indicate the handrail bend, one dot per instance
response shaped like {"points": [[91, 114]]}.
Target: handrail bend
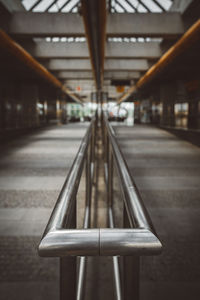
{"points": [[59, 240], [63, 239]]}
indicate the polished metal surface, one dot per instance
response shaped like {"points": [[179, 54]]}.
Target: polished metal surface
{"points": [[140, 239], [128, 242], [138, 215], [86, 224], [62, 212], [68, 273], [116, 263], [62, 239], [81, 278], [64, 242], [105, 242]]}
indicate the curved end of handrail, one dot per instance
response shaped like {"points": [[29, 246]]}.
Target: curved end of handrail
{"points": [[70, 242], [45, 246], [100, 241], [128, 242], [156, 244]]}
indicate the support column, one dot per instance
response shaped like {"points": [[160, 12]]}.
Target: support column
{"points": [[131, 271], [68, 272], [2, 110], [194, 110], [63, 109], [168, 98], [29, 98]]}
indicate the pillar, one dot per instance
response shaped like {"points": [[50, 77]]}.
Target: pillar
{"points": [[29, 98], [168, 98], [194, 109]]}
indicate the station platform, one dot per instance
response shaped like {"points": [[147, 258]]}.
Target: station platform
{"points": [[166, 171], [33, 170]]}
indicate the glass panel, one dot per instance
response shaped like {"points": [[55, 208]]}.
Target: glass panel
{"points": [[28, 3], [166, 4], [71, 4], [152, 6], [42, 6], [181, 114]]}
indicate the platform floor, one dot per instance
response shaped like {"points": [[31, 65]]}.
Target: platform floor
{"points": [[166, 170], [32, 171], [167, 173]]}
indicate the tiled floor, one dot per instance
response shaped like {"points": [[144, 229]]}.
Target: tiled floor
{"points": [[167, 173], [32, 171]]}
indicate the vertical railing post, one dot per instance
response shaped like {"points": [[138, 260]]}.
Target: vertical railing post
{"points": [[93, 143], [107, 149], [131, 271], [104, 140], [88, 187], [68, 272], [86, 222], [110, 175], [116, 262]]}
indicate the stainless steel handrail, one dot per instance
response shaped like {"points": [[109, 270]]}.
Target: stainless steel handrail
{"points": [[53, 240], [59, 241], [62, 239], [136, 210], [135, 217]]}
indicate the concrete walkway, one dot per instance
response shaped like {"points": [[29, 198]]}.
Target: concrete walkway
{"points": [[32, 171], [166, 171]]}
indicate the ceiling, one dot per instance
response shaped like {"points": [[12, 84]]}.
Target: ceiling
{"points": [[137, 33]]}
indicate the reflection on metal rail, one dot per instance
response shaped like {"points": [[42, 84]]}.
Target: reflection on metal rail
{"points": [[62, 239]]}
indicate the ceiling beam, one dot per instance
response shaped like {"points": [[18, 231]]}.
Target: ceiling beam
{"points": [[148, 50], [58, 49], [82, 75], [166, 25], [85, 75], [181, 46], [21, 55], [32, 24], [68, 64], [126, 65], [94, 17], [121, 75], [84, 64]]}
